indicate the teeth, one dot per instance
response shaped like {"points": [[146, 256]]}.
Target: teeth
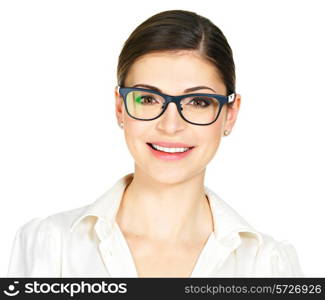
{"points": [[170, 150]]}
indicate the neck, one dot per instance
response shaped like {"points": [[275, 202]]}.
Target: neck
{"points": [[160, 210]]}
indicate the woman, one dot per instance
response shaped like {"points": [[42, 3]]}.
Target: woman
{"points": [[175, 100]]}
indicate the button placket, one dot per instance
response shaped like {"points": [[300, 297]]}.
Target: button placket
{"points": [[106, 242], [117, 258]]}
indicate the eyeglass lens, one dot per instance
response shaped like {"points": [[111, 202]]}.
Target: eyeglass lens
{"points": [[196, 109]]}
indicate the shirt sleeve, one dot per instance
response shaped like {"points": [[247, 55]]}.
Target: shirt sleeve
{"points": [[35, 250], [285, 261]]}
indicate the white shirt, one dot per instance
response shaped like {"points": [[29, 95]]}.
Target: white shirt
{"points": [[87, 242]]}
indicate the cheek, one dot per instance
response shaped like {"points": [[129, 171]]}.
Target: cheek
{"points": [[209, 136], [208, 141], [136, 134]]}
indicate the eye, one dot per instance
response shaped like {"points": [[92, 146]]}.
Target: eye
{"points": [[148, 99], [200, 101], [145, 99]]}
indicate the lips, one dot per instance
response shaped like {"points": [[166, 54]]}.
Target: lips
{"points": [[169, 156], [171, 145]]}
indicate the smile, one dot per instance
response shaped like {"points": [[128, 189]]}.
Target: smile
{"points": [[169, 153], [167, 149]]}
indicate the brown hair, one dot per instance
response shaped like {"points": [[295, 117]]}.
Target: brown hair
{"points": [[174, 30]]}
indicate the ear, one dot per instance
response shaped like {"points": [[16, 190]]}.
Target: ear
{"points": [[119, 106], [232, 113]]}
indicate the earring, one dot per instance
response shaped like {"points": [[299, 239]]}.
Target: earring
{"points": [[226, 132], [121, 125]]}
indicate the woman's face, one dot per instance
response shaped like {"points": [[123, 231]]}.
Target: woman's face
{"points": [[173, 73]]}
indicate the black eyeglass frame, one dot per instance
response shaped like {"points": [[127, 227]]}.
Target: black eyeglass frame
{"points": [[123, 91]]}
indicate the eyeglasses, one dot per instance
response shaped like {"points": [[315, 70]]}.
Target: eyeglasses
{"points": [[198, 109]]}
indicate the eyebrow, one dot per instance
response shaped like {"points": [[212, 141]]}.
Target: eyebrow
{"points": [[201, 87]]}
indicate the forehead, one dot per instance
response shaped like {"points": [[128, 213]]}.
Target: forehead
{"points": [[174, 71]]}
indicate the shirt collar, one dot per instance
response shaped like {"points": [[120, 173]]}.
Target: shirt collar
{"points": [[228, 224]]}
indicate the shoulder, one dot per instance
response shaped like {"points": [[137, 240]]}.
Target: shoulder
{"points": [[261, 255], [37, 246], [278, 257], [255, 252], [57, 223]]}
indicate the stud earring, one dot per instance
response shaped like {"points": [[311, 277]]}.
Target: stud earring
{"points": [[121, 125], [226, 132]]}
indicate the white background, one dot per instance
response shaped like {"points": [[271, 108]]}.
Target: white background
{"points": [[61, 147]]}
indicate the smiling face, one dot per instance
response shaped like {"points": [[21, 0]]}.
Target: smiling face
{"points": [[173, 73]]}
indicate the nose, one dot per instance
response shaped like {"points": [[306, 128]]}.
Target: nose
{"points": [[171, 121]]}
